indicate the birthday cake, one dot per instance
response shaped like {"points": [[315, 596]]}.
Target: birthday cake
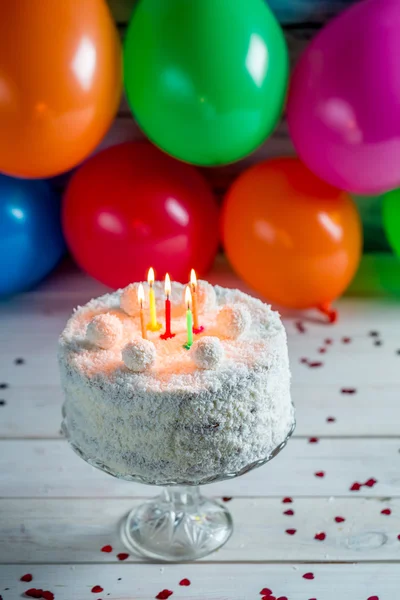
{"points": [[178, 409]]}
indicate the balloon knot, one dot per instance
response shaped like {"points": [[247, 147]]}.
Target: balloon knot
{"points": [[328, 311]]}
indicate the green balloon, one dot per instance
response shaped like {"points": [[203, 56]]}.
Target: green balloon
{"points": [[205, 79], [391, 219]]}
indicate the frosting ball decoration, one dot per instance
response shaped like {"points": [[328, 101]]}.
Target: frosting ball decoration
{"points": [[139, 355], [207, 352], [129, 299], [233, 320], [104, 331]]}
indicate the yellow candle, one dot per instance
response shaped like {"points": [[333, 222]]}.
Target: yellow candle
{"points": [[193, 285], [153, 325], [141, 312]]}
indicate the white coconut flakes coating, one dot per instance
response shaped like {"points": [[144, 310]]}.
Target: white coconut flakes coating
{"points": [[177, 422]]}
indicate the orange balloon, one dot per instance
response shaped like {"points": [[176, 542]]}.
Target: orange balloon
{"points": [[292, 237], [60, 83]]}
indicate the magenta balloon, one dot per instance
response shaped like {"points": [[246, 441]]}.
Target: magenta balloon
{"points": [[344, 101]]}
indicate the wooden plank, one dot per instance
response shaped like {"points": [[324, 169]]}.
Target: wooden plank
{"points": [[75, 530], [35, 411], [213, 581], [49, 468]]}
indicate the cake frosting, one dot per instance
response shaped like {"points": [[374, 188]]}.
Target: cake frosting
{"points": [[154, 411]]}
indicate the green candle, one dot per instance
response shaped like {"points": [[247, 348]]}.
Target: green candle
{"points": [[189, 318]]}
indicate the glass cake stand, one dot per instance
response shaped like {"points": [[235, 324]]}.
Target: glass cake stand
{"points": [[180, 524]]}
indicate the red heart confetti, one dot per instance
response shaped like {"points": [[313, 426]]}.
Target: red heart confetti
{"points": [[185, 582], [320, 474], [328, 341], [348, 390], [97, 589], [356, 487], [34, 593], [289, 512], [107, 548], [27, 577], [346, 340], [339, 519], [373, 598], [313, 440], [290, 531], [315, 364], [227, 498], [371, 482], [46, 595], [266, 592], [122, 556], [287, 500], [164, 595], [300, 327], [304, 361], [386, 511], [308, 576], [322, 350], [320, 536], [268, 598], [330, 419], [282, 598]]}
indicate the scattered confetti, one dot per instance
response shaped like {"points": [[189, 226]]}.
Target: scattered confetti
{"points": [[348, 390], [282, 598], [46, 595], [346, 340], [330, 419], [97, 589], [386, 511], [308, 576], [266, 592], [304, 360], [164, 595], [287, 500], [328, 341], [28, 577], [313, 440], [122, 556], [378, 343], [107, 548], [374, 333], [371, 482], [227, 498], [3, 386], [320, 536], [315, 364], [290, 531], [34, 593], [268, 598], [398, 537], [339, 519], [185, 582], [2, 402], [356, 487], [373, 598], [19, 361], [320, 474], [289, 513], [300, 327], [322, 350]]}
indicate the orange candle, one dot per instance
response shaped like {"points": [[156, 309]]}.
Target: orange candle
{"points": [[141, 312], [167, 334], [193, 285]]}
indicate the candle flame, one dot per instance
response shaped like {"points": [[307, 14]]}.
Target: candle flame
{"points": [[193, 279], [167, 285], [150, 276], [188, 297], [140, 294]]}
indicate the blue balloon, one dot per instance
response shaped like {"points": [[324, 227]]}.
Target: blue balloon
{"points": [[31, 241]]}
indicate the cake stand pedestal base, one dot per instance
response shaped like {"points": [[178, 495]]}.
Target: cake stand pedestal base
{"points": [[179, 525]]}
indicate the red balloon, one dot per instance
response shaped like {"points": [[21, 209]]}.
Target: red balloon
{"points": [[131, 207]]}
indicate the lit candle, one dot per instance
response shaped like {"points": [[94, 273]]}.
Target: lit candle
{"points": [[141, 312], [153, 325], [167, 334], [193, 285], [189, 318]]}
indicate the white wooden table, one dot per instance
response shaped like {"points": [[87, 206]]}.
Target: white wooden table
{"points": [[56, 512]]}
